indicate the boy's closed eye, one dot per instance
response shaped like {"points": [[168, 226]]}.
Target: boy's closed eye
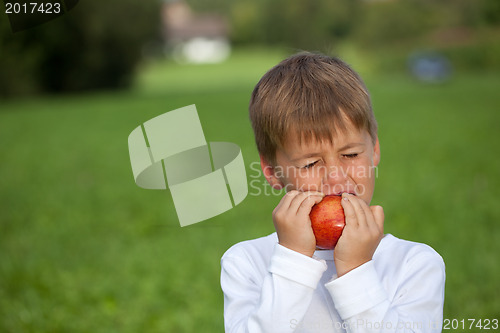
{"points": [[353, 155], [310, 165]]}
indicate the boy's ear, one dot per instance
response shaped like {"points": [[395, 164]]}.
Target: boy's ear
{"points": [[376, 153], [269, 172]]}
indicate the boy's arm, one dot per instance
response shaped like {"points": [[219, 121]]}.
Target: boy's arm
{"points": [[275, 303], [358, 293], [417, 306], [279, 302]]}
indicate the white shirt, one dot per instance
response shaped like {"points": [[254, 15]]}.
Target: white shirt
{"points": [[269, 288]]}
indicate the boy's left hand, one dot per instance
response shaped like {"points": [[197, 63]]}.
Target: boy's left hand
{"points": [[361, 235]]}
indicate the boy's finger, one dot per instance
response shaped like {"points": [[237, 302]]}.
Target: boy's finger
{"points": [[287, 199], [307, 204], [304, 196], [358, 209], [369, 218], [378, 214], [349, 213], [285, 202]]}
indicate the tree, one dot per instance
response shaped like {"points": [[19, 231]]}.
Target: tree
{"points": [[95, 45]]}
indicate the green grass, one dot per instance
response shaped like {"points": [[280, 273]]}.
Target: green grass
{"points": [[83, 249]]}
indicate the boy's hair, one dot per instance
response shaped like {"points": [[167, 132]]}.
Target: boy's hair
{"points": [[312, 95]]}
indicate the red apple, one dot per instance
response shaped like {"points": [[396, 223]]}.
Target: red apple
{"points": [[327, 221]]}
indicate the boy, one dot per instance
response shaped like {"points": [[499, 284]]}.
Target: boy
{"points": [[316, 135]]}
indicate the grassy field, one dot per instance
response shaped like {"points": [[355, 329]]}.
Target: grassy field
{"points": [[83, 249]]}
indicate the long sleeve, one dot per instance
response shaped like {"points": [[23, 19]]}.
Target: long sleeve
{"points": [[268, 299], [269, 288], [413, 303]]}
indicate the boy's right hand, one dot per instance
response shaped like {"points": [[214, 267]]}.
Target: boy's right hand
{"points": [[292, 222]]}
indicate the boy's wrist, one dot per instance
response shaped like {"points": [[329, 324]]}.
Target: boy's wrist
{"points": [[303, 251], [297, 267], [360, 288], [345, 267]]}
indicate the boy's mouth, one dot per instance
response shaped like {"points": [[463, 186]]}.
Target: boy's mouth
{"points": [[342, 192]]}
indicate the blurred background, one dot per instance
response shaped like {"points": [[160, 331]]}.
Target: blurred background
{"points": [[83, 249]]}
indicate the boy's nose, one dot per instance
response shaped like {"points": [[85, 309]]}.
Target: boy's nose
{"points": [[335, 180]]}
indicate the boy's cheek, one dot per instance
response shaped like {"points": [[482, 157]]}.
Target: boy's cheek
{"points": [[310, 187], [301, 184], [364, 171]]}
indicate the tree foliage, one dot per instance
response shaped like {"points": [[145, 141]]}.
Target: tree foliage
{"points": [[321, 24], [98, 43], [95, 45]]}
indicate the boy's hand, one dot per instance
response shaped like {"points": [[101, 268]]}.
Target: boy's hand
{"points": [[292, 222], [362, 233]]}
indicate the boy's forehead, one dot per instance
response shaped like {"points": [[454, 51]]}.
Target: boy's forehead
{"points": [[336, 136]]}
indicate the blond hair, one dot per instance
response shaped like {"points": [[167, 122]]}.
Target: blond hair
{"points": [[312, 95]]}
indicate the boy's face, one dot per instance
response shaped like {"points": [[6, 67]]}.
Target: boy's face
{"points": [[347, 165]]}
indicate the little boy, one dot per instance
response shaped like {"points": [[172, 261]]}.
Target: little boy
{"points": [[316, 135]]}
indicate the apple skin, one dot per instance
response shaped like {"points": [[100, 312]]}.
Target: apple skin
{"points": [[327, 221]]}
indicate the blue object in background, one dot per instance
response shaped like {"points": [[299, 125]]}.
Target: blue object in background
{"points": [[430, 67]]}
